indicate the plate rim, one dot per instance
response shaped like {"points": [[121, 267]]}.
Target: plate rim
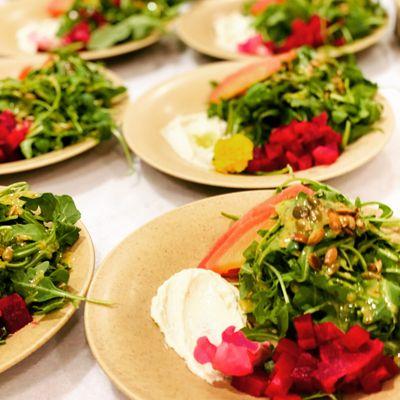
{"points": [[103, 266], [214, 51], [258, 181], [68, 311]]}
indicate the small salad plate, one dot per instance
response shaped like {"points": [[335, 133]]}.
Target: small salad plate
{"points": [[197, 28], [125, 340], [80, 257], [19, 13], [12, 68], [189, 94]]}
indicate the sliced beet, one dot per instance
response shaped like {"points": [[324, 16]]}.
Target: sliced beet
{"points": [[14, 312], [281, 379], [254, 384], [303, 379], [355, 338], [286, 346], [326, 332], [305, 332]]}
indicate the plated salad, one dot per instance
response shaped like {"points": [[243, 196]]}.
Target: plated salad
{"points": [[37, 232], [95, 24], [266, 27], [65, 101], [299, 299], [297, 110]]}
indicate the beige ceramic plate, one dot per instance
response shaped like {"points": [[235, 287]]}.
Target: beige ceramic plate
{"points": [[124, 339], [33, 336], [196, 29], [188, 94], [17, 13], [12, 67]]}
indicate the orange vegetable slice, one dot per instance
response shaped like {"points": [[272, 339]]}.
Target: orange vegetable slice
{"points": [[237, 83], [261, 5], [226, 257], [57, 8]]}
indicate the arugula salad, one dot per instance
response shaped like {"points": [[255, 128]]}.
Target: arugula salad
{"points": [[309, 300], [65, 101], [96, 24], [276, 26], [299, 109], [36, 232]]}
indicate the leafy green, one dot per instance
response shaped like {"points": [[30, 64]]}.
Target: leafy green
{"points": [[348, 19], [35, 232], [350, 275], [67, 100], [127, 21], [300, 91]]}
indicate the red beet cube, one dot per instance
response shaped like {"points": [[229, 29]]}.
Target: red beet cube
{"points": [[281, 379], [305, 332], [254, 384], [287, 397], [286, 346], [326, 332], [355, 338], [14, 312]]}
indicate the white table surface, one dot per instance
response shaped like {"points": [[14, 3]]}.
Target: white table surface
{"points": [[113, 204]]}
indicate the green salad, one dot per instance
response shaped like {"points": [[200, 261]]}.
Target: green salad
{"points": [[328, 256], [65, 101]]}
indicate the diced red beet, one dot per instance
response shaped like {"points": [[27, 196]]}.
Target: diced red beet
{"points": [[373, 381], [235, 356], [326, 332], [273, 151], [255, 46], [286, 346], [324, 155], [232, 360], [339, 362], [281, 379], [254, 384], [305, 332], [355, 338], [14, 312], [303, 379]]}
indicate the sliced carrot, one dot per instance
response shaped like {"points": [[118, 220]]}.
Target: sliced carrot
{"points": [[238, 82], [57, 8], [25, 72], [226, 256], [261, 5]]}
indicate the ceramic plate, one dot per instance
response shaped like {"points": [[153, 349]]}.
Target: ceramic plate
{"points": [[15, 14], [12, 67], [188, 94], [33, 336], [196, 29], [124, 339]]}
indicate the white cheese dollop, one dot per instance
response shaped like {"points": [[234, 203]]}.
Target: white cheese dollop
{"points": [[233, 29], [194, 303], [193, 137], [38, 34]]}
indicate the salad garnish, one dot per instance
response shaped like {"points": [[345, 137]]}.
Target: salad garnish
{"points": [[36, 233], [282, 25], [318, 280], [65, 101], [301, 111], [99, 24]]}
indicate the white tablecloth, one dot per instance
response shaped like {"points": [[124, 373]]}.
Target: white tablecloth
{"points": [[113, 204]]}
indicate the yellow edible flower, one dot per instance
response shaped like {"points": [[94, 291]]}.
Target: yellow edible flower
{"points": [[232, 155]]}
